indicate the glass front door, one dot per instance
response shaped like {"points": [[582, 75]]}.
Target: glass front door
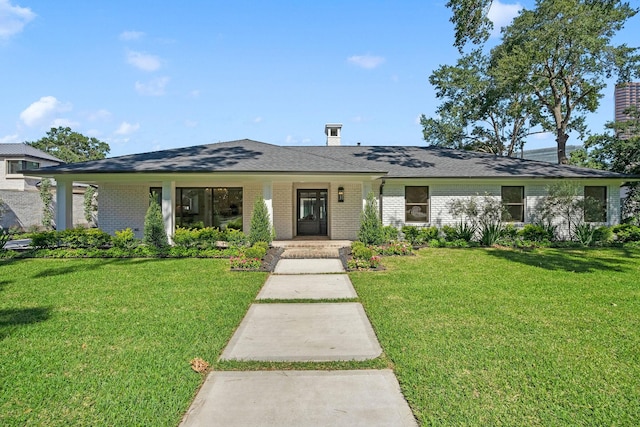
{"points": [[312, 212]]}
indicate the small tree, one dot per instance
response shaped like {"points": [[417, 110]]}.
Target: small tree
{"points": [[47, 202], [371, 232], [485, 215], [261, 230], [154, 232], [564, 200]]}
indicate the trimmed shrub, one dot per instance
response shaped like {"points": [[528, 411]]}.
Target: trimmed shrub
{"points": [[370, 232], [255, 251], [626, 233], [125, 239], [261, 230], [80, 237], [45, 240], [154, 232], [390, 233], [536, 233], [236, 237], [425, 234]]}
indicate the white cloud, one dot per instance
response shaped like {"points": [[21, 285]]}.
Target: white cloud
{"points": [[99, 115], [358, 119], [42, 110], [190, 123], [13, 18], [131, 35], [502, 14], [143, 61], [65, 123], [154, 87], [127, 128], [366, 61], [258, 119], [9, 138]]}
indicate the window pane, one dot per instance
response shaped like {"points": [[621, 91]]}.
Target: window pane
{"points": [[416, 194], [516, 213], [227, 207], [512, 194], [417, 213], [14, 166], [596, 205]]}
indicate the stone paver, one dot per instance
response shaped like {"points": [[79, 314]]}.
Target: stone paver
{"points": [[315, 332], [309, 266], [300, 398], [309, 286]]}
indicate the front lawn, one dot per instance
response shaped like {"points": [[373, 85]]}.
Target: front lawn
{"points": [[108, 342], [503, 337]]}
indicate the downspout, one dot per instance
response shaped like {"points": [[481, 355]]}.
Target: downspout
{"points": [[380, 198]]}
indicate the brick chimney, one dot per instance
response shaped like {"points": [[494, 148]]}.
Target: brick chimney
{"points": [[332, 130]]}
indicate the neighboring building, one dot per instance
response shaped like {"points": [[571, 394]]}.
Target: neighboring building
{"points": [[548, 154], [625, 95], [318, 190], [20, 191]]}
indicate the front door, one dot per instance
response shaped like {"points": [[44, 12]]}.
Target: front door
{"points": [[312, 212]]}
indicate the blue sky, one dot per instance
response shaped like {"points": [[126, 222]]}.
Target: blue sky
{"points": [[151, 75]]}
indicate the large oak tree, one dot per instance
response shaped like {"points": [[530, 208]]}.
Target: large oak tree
{"points": [[560, 54], [70, 146]]}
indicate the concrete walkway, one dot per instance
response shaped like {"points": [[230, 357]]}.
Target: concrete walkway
{"points": [[309, 331]]}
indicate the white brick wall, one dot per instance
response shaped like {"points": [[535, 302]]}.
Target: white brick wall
{"points": [[344, 217], [123, 206], [283, 209], [442, 194], [25, 209]]}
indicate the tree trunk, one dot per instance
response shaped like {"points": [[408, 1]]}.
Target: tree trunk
{"points": [[561, 139]]}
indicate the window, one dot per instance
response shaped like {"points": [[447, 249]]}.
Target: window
{"points": [[209, 207], [416, 204], [18, 166], [595, 204], [513, 201]]}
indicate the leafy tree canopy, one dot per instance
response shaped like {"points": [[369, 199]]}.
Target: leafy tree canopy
{"points": [[70, 146], [557, 55], [477, 113]]}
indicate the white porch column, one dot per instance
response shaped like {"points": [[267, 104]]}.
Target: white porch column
{"points": [[168, 207], [267, 195], [64, 204]]}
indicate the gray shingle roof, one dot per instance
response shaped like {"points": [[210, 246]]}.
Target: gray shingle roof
{"points": [[24, 150], [248, 156]]}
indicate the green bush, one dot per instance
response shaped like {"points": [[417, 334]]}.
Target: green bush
{"points": [[80, 237], [602, 235], [236, 237], [255, 251], [410, 233], [5, 235], [419, 235], [390, 233], [261, 230], [626, 233], [361, 251], [509, 232], [235, 224], [124, 239], [536, 233], [45, 240], [370, 231], [461, 231], [154, 232]]}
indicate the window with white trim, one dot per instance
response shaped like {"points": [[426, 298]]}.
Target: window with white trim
{"points": [[513, 201], [416, 204]]}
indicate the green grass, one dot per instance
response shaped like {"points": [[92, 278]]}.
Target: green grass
{"points": [[501, 337], [108, 342]]}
